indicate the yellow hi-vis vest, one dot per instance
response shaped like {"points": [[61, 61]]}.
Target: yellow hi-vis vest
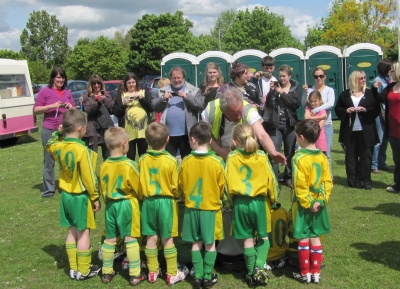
{"points": [[215, 116]]}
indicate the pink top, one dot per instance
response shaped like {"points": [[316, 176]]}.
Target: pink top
{"points": [[321, 142], [49, 95]]}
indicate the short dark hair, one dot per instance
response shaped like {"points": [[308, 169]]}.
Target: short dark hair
{"points": [[309, 129], [157, 135], [384, 66], [286, 68], [237, 70], [201, 132], [73, 118], [177, 68], [268, 61], [58, 71], [128, 76]]}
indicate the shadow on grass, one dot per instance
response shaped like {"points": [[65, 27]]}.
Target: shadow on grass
{"points": [[40, 186], [390, 209], [15, 142], [385, 253], [375, 184]]}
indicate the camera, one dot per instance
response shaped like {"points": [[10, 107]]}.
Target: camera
{"points": [[63, 105], [102, 92], [276, 83], [174, 94], [266, 74]]}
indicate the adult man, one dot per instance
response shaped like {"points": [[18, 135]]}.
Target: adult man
{"points": [[180, 103], [262, 80], [224, 113]]}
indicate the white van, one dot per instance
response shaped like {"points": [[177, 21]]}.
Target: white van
{"points": [[16, 100]]}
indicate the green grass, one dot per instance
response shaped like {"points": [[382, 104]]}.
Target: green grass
{"points": [[363, 250]]}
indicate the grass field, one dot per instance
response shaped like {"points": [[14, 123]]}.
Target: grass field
{"points": [[363, 250]]}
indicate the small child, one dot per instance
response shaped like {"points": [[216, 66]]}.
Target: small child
{"points": [[202, 181], [252, 184], [159, 173], [312, 185], [119, 178], [315, 100], [80, 195]]}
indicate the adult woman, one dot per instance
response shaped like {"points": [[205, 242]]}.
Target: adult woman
{"points": [[239, 75], [384, 68], [283, 100], [357, 109], [391, 97], [213, 80], [52, 101], [98, 106], [130, 107], [328, 98]]}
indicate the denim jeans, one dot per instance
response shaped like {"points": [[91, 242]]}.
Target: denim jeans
{"points": [[395, 144], [376, 162], [329, 139]]}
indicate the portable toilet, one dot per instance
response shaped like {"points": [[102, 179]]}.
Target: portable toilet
{"points": [[184, 60], [362, 56], [251, 58], [329, 58], [223, 60], [295, 59]]}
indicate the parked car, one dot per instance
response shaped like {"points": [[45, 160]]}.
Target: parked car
{"points": [[77, 89], [36, 87], [153, 86], [112, 86]]}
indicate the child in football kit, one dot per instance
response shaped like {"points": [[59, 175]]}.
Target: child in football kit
{"points": [[202, 181], [312, 185], [159, 173], [119, 178], [80, 195], [253, 187]]}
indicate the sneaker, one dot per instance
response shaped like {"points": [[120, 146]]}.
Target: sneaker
{"points": [[391, 190], [72, 274], [249, 280], [48, 194], [192, 272], [197, 283], [260, 275], [106, 278], [154, 275], [93, 271], [301, 278], [316, 277], [269, 266], [135, 280], [208, 283], [180, 275], [183, 268]]}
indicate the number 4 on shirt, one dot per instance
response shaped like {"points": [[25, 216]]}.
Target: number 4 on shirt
{"points": [[196, 194]]}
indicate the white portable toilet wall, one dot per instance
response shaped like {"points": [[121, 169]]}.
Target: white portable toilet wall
{"points": [[329, 58], [223, 60], [362, 56], [186, 61], [251, 58], [295, 59]]}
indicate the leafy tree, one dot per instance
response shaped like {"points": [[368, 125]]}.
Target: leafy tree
{"points": [[123, 39], [11, 54], [44, 39], [314, 36], [221, 27], [155, 36], [102, 56], [202, 43], [258, 29], [39, 72]]}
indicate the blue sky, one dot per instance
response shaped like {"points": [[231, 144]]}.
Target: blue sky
{"points": [[91, 18]]}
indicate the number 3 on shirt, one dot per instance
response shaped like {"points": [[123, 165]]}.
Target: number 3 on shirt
{"points": [[196, 194]]}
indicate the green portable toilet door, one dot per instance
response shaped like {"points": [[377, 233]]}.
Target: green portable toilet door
{"points": [[252, 62], [297, 66], [185, 65], [332, 64], [365, 60], [222, 63]]}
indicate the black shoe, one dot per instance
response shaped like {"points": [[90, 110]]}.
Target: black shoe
{"points": [[197, 283], [48, 195], [93, 271], [384, 168], [260, 276], [135, 280], [304, 279], [208, 283]]}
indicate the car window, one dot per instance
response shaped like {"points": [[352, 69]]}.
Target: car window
{"points": [[80, 86], [155, 84], [111, 86], [71, 86]]}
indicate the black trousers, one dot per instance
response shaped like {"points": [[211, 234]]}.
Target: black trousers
{"points": [[141, 148], [179, 142], [358, 161]]}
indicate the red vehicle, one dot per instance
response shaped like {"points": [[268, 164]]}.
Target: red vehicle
{"points": [[112, 86]]}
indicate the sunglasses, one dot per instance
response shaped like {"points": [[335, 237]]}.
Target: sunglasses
{"points": [[319, 76], [98, 83], [362, 78]]}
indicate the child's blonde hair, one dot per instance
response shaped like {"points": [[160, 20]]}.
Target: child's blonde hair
{"points": [[72, 119], [163, 82], [114, 136], [245, 138], [157, 135], [317, 94]]}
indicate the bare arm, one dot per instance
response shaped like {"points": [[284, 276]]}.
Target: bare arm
{"points": [[220, 151]]}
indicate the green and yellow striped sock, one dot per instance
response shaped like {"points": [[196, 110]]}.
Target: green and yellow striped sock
{"points": [[133, 253], [71, 253], [171, 255], [107, 251]]}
